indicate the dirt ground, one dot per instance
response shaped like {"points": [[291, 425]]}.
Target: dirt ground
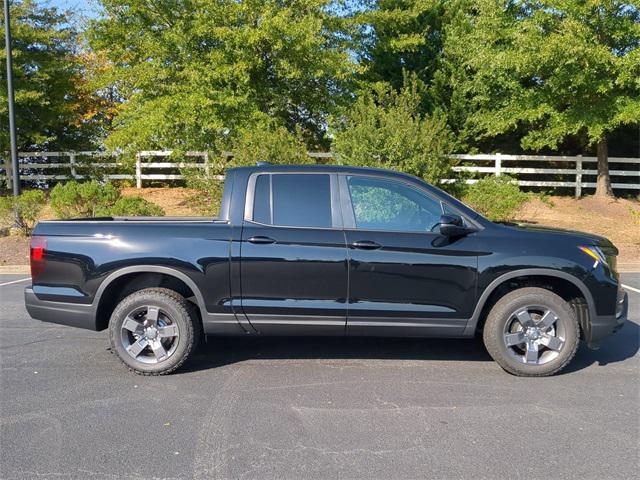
{"points": [[174, 201], [14, 251], [612, 218]]}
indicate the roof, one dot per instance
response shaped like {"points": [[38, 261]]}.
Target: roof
{"points": [[345, 169]]}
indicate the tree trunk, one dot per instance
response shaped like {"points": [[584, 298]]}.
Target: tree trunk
{"points": [[603, 185]]}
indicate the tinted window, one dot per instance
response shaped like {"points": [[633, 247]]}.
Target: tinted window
{"points": [[388, 205], [293, 200], [262, 200]]}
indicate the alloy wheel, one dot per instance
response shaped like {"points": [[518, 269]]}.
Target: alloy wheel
{"points": [[149, 335], [534, 335]]}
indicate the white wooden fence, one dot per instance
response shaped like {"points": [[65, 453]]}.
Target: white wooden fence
{"points": [[575, 173], [624, 171]]}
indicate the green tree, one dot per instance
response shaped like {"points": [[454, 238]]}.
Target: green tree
{"points": [[273, 144], [385, 128], [552, 69], [47, 79], [264, 142], [191, 73], [400, 36]]}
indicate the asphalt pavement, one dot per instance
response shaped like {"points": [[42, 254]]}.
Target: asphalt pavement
{"points": [[318, 408]]}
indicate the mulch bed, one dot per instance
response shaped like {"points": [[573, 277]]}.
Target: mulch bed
{"points": [[14, 251]]}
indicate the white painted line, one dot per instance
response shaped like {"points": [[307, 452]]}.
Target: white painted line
{"points": [[15, 281], [630, 288]]}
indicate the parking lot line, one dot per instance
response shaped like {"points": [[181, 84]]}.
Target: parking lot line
{"points": [[15, 281], [630, 288]]}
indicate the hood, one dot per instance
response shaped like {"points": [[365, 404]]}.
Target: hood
{"points": [[579, 237]]}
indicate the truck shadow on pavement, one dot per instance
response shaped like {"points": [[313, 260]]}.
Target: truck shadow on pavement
{"points": [[620, 346], [220, 351]]}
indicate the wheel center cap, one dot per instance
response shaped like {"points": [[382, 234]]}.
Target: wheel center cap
{"points": [[152, 333], [532, 333]]}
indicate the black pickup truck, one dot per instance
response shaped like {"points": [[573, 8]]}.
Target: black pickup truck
{"points": [[327, 250]]}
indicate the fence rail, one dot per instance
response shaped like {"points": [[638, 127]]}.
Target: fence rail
{"points": [[574, 172]]}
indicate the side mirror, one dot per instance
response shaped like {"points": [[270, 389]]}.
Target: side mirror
{"points": [[453, 226]]}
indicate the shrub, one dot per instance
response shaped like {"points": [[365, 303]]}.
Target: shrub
{"points": [[93, 199], [386, 129], [27, 206], [73, 199], [268, 143], [263, 142], [134, 207], [635, 215], [209, 191], [498, 198]]}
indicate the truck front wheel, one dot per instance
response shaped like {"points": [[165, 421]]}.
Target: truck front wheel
{"points": [[532, 332], [154, 331]]}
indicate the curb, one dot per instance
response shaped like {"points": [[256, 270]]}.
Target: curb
{"points": [[631, 267], [15, 269]]}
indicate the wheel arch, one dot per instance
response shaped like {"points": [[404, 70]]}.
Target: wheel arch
{"points": [[105, 301], [480, 310]]}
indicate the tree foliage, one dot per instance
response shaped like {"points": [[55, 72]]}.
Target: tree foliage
{"points": [[384, 128], [191, 73], [553, 68], [400, 36], [267, 79], [269, 143], [48, 80]]}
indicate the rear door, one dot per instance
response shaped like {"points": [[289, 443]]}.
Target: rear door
{"points": [[293, 269], [405, 278]]}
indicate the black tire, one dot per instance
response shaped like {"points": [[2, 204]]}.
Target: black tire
{"points": [[503, 327], [174, 315]]}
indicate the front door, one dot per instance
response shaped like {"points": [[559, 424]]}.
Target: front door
{"points": [[293, 255], [405, 278]]}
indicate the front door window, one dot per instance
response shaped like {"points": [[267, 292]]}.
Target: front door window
{"points": [[392, 206]]}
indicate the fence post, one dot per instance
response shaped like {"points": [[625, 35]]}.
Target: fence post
{"points": [[206, 164], [72, 161], [579, 176], [498, 164], [138, 171]]}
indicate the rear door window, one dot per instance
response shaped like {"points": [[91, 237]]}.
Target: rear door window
{"points": [[293, 200]]}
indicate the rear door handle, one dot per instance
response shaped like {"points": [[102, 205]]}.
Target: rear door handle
{"points": [[261, 240], [366, 245]]}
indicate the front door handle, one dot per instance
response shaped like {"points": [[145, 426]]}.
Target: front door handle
{"points": [[366, 245], [260, 240]]}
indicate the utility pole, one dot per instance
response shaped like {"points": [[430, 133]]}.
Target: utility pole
{"points": [[12, 119]]}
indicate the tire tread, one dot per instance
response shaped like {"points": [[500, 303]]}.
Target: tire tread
{"points": [[194, 326], [496, 316]]}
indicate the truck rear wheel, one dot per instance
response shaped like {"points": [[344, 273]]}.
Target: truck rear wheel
{"points": [[154, 331], [532, 332]]}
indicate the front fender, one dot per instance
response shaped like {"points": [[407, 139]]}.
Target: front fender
{"points": [[472, 324]]}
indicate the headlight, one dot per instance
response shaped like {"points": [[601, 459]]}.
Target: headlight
{"points": [[595, 253]]}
